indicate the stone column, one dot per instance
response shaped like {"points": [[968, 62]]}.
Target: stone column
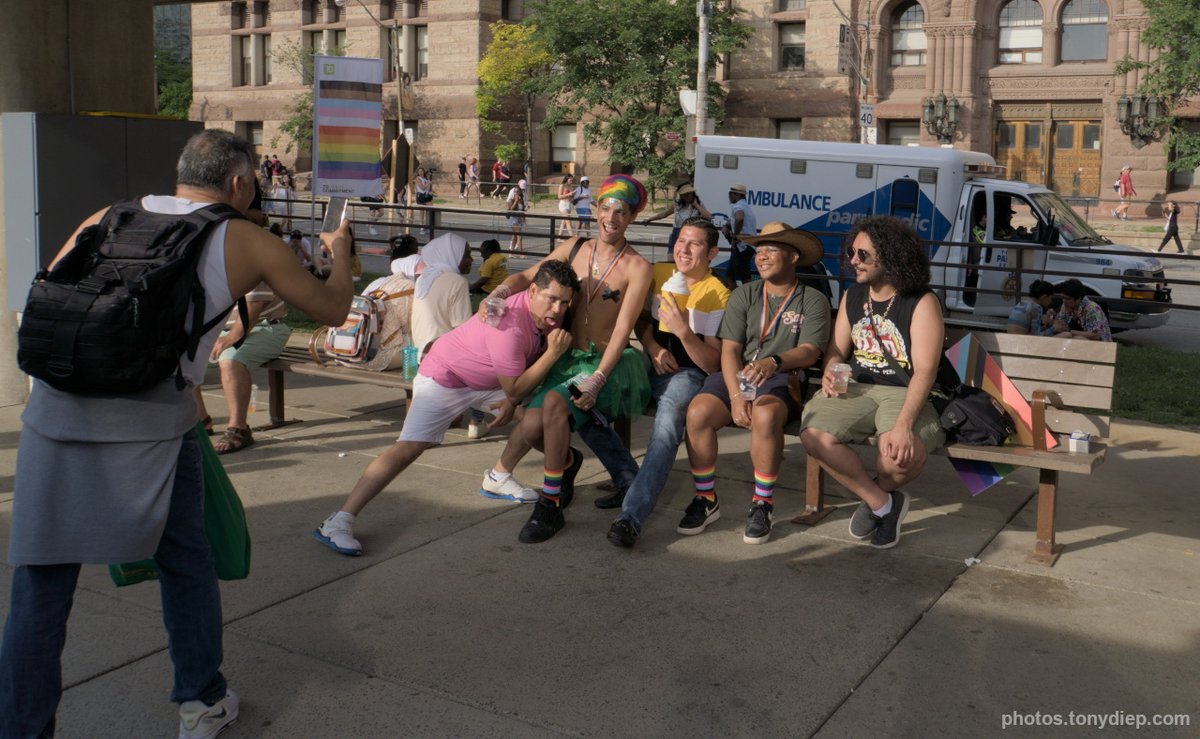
{"points": [[1050, 44]]}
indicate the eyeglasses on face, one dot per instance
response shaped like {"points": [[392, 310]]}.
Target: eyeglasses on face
{"points": [[863, 255], [768, 249]]}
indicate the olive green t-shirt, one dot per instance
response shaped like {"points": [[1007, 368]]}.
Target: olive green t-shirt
{"points": [[805, 320]]}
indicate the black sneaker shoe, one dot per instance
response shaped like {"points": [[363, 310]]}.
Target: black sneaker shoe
{"points": [[543, 523], [699, 514], [613, 500], [863, 523], [887, 531], [621, 534], [569, 475], [758, 523]]}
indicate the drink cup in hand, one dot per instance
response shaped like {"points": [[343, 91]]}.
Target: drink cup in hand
{"points": [[746, 388], [494, 310], [841, 377]]}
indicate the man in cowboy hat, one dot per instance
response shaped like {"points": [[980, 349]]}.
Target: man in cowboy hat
{"points": [[772, 329]]}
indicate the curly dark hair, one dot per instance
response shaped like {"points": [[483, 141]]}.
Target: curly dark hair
{"points": [[556, 270], [900, 252]]}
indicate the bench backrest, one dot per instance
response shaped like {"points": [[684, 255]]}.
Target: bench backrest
{"points": [[1080, 371]]}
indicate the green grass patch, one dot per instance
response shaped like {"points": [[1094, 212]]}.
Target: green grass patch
{"points": [[1156, 385]]}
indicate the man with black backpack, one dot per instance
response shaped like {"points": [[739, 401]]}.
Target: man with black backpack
{"points": [[108, 464], [889, 330]]}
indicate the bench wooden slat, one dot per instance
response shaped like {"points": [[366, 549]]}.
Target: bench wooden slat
{"points": [[1020, 456], [1073, 395], [1056, 371], [1075, 350]]}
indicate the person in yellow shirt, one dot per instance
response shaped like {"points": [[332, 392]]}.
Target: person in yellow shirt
{"points": [[494, 269]]}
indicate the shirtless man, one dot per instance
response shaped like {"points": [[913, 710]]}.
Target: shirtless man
{"points": [[609, 376]]}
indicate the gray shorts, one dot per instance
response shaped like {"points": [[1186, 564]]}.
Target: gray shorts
{"points": [[865, 410]]}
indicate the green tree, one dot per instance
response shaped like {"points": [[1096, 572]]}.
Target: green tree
{"points": [[618, 65], [296, 130], [1174, 75], [173, 82], [511, 67]]}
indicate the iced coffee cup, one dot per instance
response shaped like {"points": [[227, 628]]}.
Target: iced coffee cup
{"points": [[841, 377], [674, 289]]}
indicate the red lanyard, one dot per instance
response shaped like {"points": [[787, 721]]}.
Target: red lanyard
{"points": [[765, 328]]}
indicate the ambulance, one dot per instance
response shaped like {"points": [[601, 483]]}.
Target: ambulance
{"points": [[1028, 231]]}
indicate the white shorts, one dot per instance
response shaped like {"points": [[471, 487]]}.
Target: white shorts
{"points": [[434, 408]]}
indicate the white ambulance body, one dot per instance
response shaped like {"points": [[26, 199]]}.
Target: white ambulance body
{"points": [[824, 187]]}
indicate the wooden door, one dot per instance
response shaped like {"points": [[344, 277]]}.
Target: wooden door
{"points": [[1075, 159], [1020, 149]]}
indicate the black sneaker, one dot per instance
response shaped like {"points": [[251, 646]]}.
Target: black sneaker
{"points": [[569, 475], [613, 500], [543, 523], [699, 514], [863, 523], [758, 523], [621, 534], [887, 531]]}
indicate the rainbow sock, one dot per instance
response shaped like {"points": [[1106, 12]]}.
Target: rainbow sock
{"points": [[764, 486], [552, 485], [705, 480]]}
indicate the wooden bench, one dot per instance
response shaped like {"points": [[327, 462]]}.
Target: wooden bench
{"points": [[297, 359], [1052, 374]]}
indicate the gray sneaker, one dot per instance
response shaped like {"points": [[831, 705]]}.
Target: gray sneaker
{"points": [[887, 533], [863, 522], [198, 721]]}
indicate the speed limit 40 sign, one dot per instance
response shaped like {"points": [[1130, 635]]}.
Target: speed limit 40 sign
{"points": [[866, 115]]}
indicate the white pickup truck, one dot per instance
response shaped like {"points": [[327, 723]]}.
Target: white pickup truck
{"points": [[825, 187]]}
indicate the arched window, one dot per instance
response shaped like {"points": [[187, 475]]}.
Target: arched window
{"points": [[1021, 33], [1085, 31], [908, 35]]}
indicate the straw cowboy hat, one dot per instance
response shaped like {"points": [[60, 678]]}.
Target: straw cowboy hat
{"points": [[805, 243]]}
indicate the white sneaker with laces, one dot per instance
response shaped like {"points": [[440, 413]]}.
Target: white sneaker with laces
{"points": [[198, 721], [337, 533], [509, 489]]}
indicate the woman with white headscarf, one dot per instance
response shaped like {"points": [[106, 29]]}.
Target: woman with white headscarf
{"points": [[442, 298]]}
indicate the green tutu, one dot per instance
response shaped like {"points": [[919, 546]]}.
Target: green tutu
{"points": [[625, 395]]}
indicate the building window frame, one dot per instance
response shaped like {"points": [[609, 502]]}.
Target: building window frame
{"points": [[564, 147], [789, 129], [1083, 23], [1020, 38], [791, 46], [909, 43]]}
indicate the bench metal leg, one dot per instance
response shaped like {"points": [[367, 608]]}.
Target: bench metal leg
{"points": [[275, 406], [814, 495], [1045, 551]]}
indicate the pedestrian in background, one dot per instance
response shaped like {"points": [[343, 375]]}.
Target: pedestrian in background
{"points": [[1171, 227], [565, 227], [1125, 191], [687, 205], [462, 177]]}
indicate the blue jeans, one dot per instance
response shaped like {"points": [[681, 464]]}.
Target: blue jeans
{"points": [[31, 655], [672, 393]]}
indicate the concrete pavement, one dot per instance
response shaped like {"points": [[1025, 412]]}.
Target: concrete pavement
{"points": [[447, 626]]}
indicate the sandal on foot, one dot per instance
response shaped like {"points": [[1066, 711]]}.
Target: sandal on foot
{"points": [[234, 439], [208, 425]]}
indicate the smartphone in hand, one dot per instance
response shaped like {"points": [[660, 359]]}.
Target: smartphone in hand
{"points": [[335, 213]]}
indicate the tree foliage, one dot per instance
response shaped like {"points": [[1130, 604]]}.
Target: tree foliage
{"points": [[173, 81], [511, 67], [1174, 75], [296, 130], [618, 66]]}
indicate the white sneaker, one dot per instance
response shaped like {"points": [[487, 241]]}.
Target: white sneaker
{"points": [[510, 489], [338, 534], [198, 721], [476, 430]]}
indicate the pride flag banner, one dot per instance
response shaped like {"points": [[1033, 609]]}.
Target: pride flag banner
{"points": [[347, 120], [976, 368]]}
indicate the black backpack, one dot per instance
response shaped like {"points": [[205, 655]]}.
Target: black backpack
{"points": [[971, 416], [109, 318]]}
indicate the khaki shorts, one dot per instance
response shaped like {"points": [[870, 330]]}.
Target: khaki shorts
{"points": [[265, 342], [865, 410]]}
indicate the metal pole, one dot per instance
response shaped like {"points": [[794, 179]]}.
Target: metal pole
{"points": [[704, 12]]}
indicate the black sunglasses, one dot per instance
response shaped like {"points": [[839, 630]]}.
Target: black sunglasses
{"points": [[863, 255]]}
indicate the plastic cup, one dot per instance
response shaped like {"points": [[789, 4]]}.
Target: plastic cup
{"points": [[680, 302], [494, 310], [746, 388], [841, 377]]}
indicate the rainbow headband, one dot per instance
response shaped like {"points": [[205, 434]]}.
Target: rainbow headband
{"points": [[623, 188]]}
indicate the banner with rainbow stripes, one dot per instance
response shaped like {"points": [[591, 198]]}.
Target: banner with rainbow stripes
{"points": [[347, 120]]}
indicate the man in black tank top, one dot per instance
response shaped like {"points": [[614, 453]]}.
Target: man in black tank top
{"points": [[889, 330]]}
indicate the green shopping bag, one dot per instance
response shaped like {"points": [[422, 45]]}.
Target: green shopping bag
{"points": [[224, 523]]}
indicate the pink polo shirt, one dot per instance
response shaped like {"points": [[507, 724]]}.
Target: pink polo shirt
{"points": [[474, 354]]}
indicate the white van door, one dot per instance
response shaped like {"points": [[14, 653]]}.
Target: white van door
{"points": [[1012, 221], [901, 191]]}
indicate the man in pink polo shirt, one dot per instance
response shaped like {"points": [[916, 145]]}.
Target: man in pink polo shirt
{"points": [[475, 365]]}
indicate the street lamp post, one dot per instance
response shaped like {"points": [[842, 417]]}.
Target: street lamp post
{"points": [[940, 116], [704, 12], [1137, 115]]}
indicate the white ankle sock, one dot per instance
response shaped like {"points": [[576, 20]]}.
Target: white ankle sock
{"points": [[885, 509], [498, 476], [343, 515]]}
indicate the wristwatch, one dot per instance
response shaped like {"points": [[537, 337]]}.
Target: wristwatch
{"points": [[778, 362]]}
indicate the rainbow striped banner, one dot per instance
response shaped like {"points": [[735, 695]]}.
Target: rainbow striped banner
{"points": [[347, 120]]}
